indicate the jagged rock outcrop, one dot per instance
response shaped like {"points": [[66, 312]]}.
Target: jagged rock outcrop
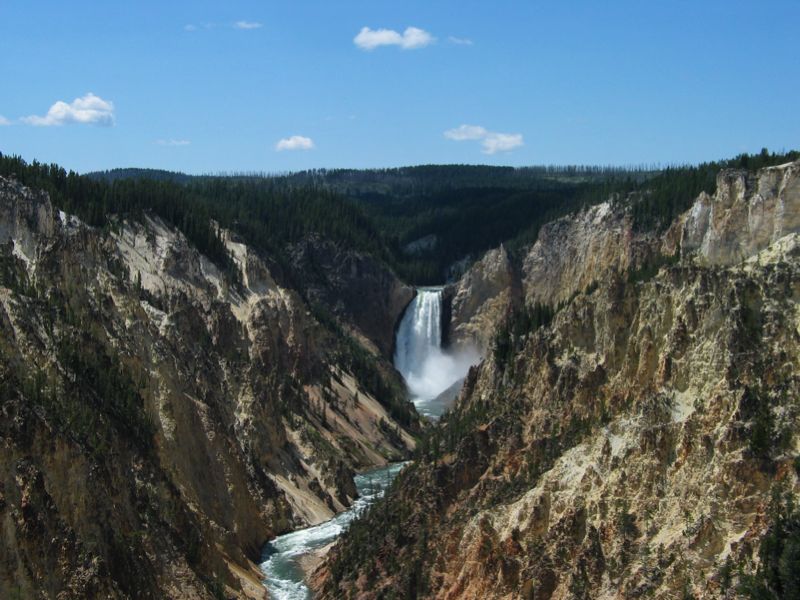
{"points": [[356, 287], [746, 214], [571, 254], [27, 219], [628, 448], [575, 252], [161, 421], [480, 300]]}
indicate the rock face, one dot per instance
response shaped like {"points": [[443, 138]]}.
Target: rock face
{"points": [[746, 214], [160, 421], [356, 287], [576, 252], [480, 300], [570, 255], [627, 450], [28, 217]]}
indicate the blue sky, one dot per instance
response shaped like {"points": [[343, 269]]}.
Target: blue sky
{"points": [[205, 86]]}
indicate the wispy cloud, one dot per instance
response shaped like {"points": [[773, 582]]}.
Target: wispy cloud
{"points": [[501, 142], [466, 132], [4, 121], [247, 25], [491, 141], [244, 25], [89, 109], [459, 41], [173, 143], [335, 118], [411, 39], [295, 142]]}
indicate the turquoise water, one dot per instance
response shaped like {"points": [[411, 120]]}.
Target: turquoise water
{"points": [[282, 572]]}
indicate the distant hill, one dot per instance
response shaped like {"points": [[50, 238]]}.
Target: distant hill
{"points": [[134, 173], [460, 211]]}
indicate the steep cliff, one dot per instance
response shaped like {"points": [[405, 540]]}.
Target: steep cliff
{"points": [[163, 419], [746, 214], [575, 252], [480, 300], [627, 449], [353, 286], [571, 254]]}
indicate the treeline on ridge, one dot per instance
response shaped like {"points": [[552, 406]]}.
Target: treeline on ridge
{"points": [[266, 214], [459, 210], [674, 190]]}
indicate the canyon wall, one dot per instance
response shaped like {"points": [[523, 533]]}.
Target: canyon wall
{"points": [[161, 418], [628, 448], [353, 286]]}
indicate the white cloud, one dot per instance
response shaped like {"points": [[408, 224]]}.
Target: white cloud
{"points": [[491, 141], [173, 143], [247, 25], [411, 39], [4, 121], [466, 132], [501, 142], [89, 109], [459, 41], [295, 142]]}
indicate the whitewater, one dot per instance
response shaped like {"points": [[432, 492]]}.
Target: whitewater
{"points": [[280, 559], [429, 371]]}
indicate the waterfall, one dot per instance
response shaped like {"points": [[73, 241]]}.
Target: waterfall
{"points": [[427, 368], [420, 333]]}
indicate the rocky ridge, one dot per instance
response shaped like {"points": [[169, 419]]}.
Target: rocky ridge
{"points": [[571, 254], [480, 299], [162, 420], [747, 213], [353, 286]]}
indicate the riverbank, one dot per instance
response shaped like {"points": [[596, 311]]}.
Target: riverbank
{"points": [[289, 559], [309, 562]]}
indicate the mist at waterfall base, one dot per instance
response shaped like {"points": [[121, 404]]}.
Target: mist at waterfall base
{"points": [[428, 370]]}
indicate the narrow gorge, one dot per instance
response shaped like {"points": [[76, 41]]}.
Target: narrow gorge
{"points": [[429, 371]]}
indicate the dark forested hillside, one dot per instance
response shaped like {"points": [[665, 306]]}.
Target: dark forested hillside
{"points": [[407, 182], [423, 221], [154, 174], [268, 215], [464, 210]]}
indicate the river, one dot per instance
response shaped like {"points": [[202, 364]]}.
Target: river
{"points": [[429, 372], [284, 577]]}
